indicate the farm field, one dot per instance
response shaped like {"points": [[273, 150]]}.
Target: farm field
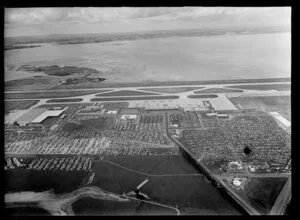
{"points": [[135, 98], [218, 90], [126, 93], [203, 96], [50, 94], [172, 90], [279, 87], [13, 105], [63, 100]]}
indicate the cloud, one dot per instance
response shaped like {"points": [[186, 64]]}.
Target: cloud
{"points": [[30, 16], [58, 19]]}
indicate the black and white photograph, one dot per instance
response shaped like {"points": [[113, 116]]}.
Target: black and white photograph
{"points": [[147, 111]]}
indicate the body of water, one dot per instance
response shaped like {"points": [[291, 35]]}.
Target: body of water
{"points": [[170, 59]]}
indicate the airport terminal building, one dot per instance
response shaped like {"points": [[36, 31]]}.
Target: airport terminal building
{"points": [[37, 116]]}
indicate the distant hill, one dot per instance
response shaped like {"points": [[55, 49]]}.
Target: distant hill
{"points": [[11, 42]]}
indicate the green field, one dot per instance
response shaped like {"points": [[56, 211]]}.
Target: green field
{"points": [[13, 105], [50, 94], [126, 93], [218, 90], [172, 89], [278, 87], [203, 96], [63, 100], [135, 98]]}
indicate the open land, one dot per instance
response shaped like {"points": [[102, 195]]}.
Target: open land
{"points": [[14, 105], [63, 100], [280, 104], [279, 87], [136, 98], [218, 90], [52, 94], [126, 93], [203, 96]]}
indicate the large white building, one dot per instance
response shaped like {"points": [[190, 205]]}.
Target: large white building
{"points": [[38, 115], [129, 117]]}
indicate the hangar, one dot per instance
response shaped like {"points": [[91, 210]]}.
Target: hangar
{"points": [[37, 115]]}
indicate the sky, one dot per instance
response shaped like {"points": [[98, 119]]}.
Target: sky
{"points": [[43, 21]]}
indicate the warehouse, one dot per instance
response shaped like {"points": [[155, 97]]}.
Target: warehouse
{"points": [[129, 117], [37, 115]]}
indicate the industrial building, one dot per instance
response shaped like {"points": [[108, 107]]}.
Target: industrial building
{"points": [[37, 115], [129, 117], [112, 112]]}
